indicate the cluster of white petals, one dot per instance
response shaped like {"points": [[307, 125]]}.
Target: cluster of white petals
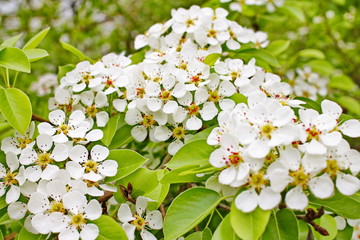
{"points": [[207, 28], [45, 85], [306, 83], [271, 5], [267, 150]]}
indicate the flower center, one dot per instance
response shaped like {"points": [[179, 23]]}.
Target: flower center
{"points": [[86, 78], [189, 22], [193, 109], [271, 157], [78, 220], [300, 177], [258, 181], [196, 80], [139, 222], [266, 130], [23, 142], [165, 95], [179, 132], [57, 207], [9, 178], [91, 166], [332, 167], [148, 120], [313, 133], [212, 33], [91, 111], [214, 96], [63, 129], [140, 92], [234, 159], [234, 75], [91, 183], [44, 159]]}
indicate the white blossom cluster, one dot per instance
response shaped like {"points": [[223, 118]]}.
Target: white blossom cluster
{"points": [[354, 223], [45, 85], [271, 5], [306, 83], [265, 149], [47, 179], [209, 29]]}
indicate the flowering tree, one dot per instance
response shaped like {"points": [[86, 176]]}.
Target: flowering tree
{"points": [[196, 135]]}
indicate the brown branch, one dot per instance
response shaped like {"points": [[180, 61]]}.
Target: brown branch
{"points": [[165, 161], [224, 207], [11, 236], [162, 210], [35, 117], [103, 199], [310, 216], [127, 193]]}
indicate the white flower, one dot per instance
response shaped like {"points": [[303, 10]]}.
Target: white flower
{"points": [[18, 142], [141, 220]]}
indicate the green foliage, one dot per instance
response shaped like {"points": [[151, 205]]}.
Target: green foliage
{"points": [[15, 59], [211, 59], [188, 209], [24, 234], [282, 225], [80, 55], [109, 229], [345, 206], [329, 223], [224, 231], [36, 40], [16, 108], [249, 226]]}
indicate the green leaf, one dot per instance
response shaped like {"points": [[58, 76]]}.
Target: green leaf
{"points": [[195, 236], [311, 53], [188, 209], [282, 225], [36, 40], [309, 103], [11, 42], [109, 229], [159, 193], [239, 98], [258, 54], [296, 12], [207, 235], [16, 108], [14, 58], [203, 135], [350, 103], [3, 202], [321, 66], [62, 70], [249, 226], [121, 137], [24, 234], [196, 152], [137, 57], [109, 130], [224, 231], [211, 59], [128, 162], [329, 223], [278, 47], [345, 206], [303, 230], [80, 55], [1, 236], [35, 54], [143, 181], [342, 82], [345, 234], [176, 176]]}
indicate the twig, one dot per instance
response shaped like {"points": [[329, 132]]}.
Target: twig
{"points": [[223, 206], [310, 216], [103, 199], [11, 236], [38, 118], [127, 193], [162, 210], [165, 161]]}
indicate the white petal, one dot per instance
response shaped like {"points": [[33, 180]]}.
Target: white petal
{"points": [[141, 205], [296, 199], [57, 117], [258, 149], [108, 168], [99, 153], [268, 199], [124, 214], [41, 223], [227, 175], [89, 232], [162, 133], [102, 118], [347, 184], [76, 117], [247, 201], [44, 142], [79, 153], [314, 147], [38, 203], [93, 210], [351, 128], [129, 230], [145, 235], [69, 235], [60, 152], [321, 187], [74, 201], [94, 135], [154, 219], [193, 123], [139, 133], [17, 210]]}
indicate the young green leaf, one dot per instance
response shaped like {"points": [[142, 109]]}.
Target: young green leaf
{"points": [[296, 12], [109, 130], [175, 175], [188, 209], [312, 53], [211, 59], [35, 54], [279, 46], [16, 108], [36, 40], [196, 152], [249, 226], [329, 223], [80, 55], [342, 82], [282, 225], [24, 234], [109, 229], [259, 54], [121, 137], [224, 231], [11, 42], [345, 206], [15, 59], [128, 162]]}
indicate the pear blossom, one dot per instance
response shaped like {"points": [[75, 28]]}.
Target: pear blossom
{"points": [[19, 142], [141, 220]]}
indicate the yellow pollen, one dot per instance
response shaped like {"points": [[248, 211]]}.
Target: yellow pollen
{"points": [[234, 75], [148, 120], [63, 129], [300, 177], [332, 168], [86, 78], [57, 207], [165, 95], [179, 132], [139, 222], [258, 181], [266, 130], [91, 166], [9, 178], [214, 96], [78, 220], [193, 109], [23, 142], [313, 133], [234, 159], [212, 33], [44, 159], [91, 111]]}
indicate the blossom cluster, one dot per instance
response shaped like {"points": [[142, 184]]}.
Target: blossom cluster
{"points": [[208, 29], [307, 83], [265, 149], [271, 5], [47, 179]]}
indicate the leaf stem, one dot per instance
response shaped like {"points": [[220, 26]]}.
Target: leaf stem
{"points": [[15, 78]]}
